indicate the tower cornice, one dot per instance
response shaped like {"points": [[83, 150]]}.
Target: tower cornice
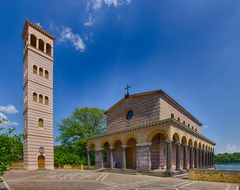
{"points": [[36, 27]]}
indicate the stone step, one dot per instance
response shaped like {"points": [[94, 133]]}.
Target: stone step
{"points": [[121, 171]]}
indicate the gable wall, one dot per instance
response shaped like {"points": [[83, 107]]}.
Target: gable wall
{"points": [[146, 109]]}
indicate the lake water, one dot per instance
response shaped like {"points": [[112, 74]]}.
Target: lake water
{"points": [[227, 166]]}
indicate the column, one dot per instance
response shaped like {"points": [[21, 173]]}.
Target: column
{"points": [[99, 158], [111, 157], [178, 155], [37, 43], [169, 158], [207, 158], [124, 147], [45, 48], [88, 157], [191, 157], [203, 155], [143, 158], [200, 157], [196, 157], [185, 155]]}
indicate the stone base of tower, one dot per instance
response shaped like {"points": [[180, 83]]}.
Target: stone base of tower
{"points": [[34, 159]]}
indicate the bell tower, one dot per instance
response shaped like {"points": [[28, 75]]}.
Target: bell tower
{"points": [[38, 97]]}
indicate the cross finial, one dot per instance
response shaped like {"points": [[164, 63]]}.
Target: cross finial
{"points": [[127, 90]]}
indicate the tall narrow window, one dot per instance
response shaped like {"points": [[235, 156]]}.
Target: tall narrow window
{"points": [[33, 40], [46, 74], [40, 98], [184, 122], [172, 116], [178, 118], [41, 72], [49, 49], [35, 69], [35, 97], [40, 123], [46, 100], [41, 45]]}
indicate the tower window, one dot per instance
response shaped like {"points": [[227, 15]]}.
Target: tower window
{"points": [[184, 122], [35, 69], [33, 40], [41, 72], [46, 74], [172, 116], [40, 123], [178, 119], [49, 49], [41, 45], [40, 98], [35, 97], [46, 100]]}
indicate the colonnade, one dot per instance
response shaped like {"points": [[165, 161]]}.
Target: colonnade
{"points": [[185, 156]]}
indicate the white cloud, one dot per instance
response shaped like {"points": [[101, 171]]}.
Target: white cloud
{"points": [[5, 122], [97, 4], [89, 22], [230, 148], [2, 116], [75, 39], [8, 109]]}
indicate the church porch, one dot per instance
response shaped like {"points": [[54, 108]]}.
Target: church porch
{"points": [[164, 145]]}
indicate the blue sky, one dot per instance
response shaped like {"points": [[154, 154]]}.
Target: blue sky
{"points": [[188, 48]]}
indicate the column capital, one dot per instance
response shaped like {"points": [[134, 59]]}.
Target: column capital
{"points": [[124, 146], [185, 145], [178, 143], [98, 149], [168, 141], [144, 144], [111, 147]]}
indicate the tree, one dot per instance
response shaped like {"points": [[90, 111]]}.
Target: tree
{"points": [[227, 158], [83, 123]]}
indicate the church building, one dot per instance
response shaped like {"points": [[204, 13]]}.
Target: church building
{"points": [[148, 131]]}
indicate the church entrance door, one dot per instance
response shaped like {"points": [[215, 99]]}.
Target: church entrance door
{"points": [[41, 162], [129, 158]]}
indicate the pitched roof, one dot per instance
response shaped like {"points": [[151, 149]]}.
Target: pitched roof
{"points": [[160, 92]]}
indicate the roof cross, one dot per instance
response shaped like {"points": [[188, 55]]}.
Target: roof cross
{"points": [[127, 90]]}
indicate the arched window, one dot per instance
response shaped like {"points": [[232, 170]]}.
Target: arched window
{"points": [[49, 49], [33, 40], [188, 125], [40, 123], [34, 69], [41, 45], [184, 122], [172, 116], [35, 97], [178, 119], [41, 72], [40, 98], [46, 74], [192, 127], [46, 100]]}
